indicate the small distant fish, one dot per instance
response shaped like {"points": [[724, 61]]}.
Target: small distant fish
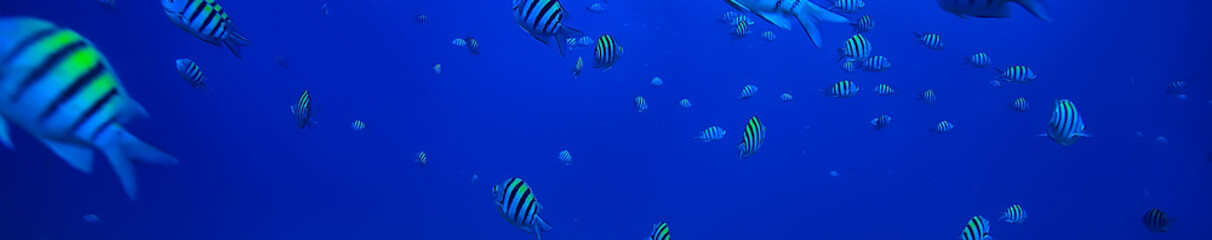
{"points": [[302, 110], [596, 8], [995, 83], [422, 19], [711, 134], [565, 157], [786, 97], [976, 229], [607, 53], [214, 27], [576, 69], [834, 173], [755, 133], [1162, 140], [1014, 214], [930, 40], [884, 90], [91, 218], [475, 178], [544, 20], [928, 96], [437, 68], [517, 203], [358, 125], [1020, 105], [740, 31], [192, 74], [944, 127], [848, 6], [881, 122], [843, 89], [324, 9], [660, 231], [993, 9], [979, 60], [849, 66], [459, 42], [1176, 87], [685, 103], [280, 60], [473, 45], [1157, 221], [863, 24], [748, 91], [422, 158], [657, 82], [769, 36], [641, 105], [856, 48], [1066, 125], [877, 64], [1017, 74]]}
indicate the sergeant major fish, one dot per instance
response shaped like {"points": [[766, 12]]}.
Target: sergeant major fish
{"points": [[1066, 125], [711, 134], [192, 74], [207, 21], [776, 12], [302, 110], [606, 53], [660, 231], [755, 133], [517, 204], [1014, 214], [543, 20]]}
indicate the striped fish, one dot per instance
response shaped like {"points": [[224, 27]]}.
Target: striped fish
{"points": [[517, 203], [786, 97], [641, 105], [930, 40], [576, 69], [738, 19], [1176, 87], [358, 125], [1157, 221], [843, 89], [848, 6], [877, 64], [660, 231], [748, 91], [740, 31], [776, 12], [192, 74], [1066, 125], [207, 21], [979, 60], [944, 127], [849, 66], [928, 96], [884, 90], [302, 110], [769, 36], [755, 133], [1020, 105], [711, 134], [473, 45], [459, 42], [684, 103], [543, 20], [1014, 214], [421, 158], [422, 19], [1017, 74], [730, 17], [881, 122], [976, 229], [856, 48], [606, 53], [863, 24], [993, 8], [656, 82], [58, 87], [565, 157]]}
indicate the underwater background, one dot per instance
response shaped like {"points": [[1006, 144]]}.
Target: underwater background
{"points": [[247, 172]]}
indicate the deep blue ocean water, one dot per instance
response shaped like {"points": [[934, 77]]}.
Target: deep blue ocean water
{"points": [[247, 172]]}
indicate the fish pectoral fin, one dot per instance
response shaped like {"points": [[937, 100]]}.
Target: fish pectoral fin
{"points": [[126, 148], [1037, 8], [537, 235], [775, 18], [4, 138], [78, 156]]}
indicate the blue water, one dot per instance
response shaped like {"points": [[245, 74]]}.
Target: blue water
{"points": [[246, 171]]}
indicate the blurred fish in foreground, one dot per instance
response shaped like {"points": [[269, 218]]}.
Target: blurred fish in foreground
{"points": [[711, 134], [1066, 125], [993, 8], [517, 204], [207, 21], [1157, 221], [775, 12]]}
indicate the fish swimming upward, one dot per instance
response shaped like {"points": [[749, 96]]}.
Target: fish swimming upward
{"points": [[775, 12]]}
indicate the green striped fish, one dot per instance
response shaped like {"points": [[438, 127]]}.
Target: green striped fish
{"points": [[977, 229], [206, 20], [518, 205], [60, 89], [755, 132], [660, 231]]}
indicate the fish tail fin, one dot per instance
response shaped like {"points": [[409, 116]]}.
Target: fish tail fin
{"points": [[234, 41], [565, 33], [1037, 7], [129, 147], [542, 225], [810, 15]]}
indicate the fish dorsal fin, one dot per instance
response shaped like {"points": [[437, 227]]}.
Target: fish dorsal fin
{"points": [[775, 18]]}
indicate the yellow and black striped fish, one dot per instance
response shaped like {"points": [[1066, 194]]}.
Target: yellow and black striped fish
{"points": [[843, 89], [302, 110], [207, 21], [930, 40], [1066, 125], [544, 20], [755, 133], [1014, 214], [977, 229], [927, 96], [1156, 221], [517, 203], [192, 74], [58, 87], [660, 231], [606, 53]]}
